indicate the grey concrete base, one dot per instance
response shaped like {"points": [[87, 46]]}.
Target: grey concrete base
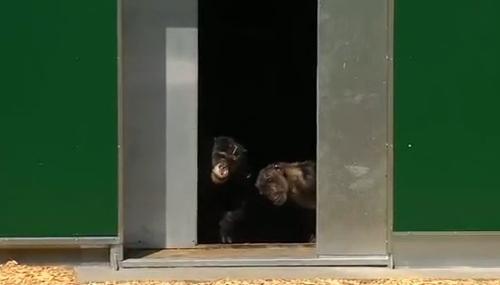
{"points": [[104, 273], [446, 249], [60, 256]]}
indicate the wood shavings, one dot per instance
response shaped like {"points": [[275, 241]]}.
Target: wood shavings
{"points": [[11, 273]]}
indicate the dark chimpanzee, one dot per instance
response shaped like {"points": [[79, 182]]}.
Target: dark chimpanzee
{"points": [[229, 161], [296, 182], [231, 184]]}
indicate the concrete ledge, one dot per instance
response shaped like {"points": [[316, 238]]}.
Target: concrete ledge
{"points": [[446, 249], [97, 274], [60, 256]]}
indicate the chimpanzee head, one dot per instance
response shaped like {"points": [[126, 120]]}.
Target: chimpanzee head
{"points": [[228, 157], [272, 183]]}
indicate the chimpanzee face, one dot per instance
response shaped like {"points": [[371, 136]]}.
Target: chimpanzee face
{"points": [[227, 156], [273, 184]]}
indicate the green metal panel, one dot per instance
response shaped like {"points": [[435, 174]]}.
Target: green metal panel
{"points": [[58, 118], [447, 118]]}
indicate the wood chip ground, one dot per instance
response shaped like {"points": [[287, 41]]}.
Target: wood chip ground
{"points": [[12, 273]]}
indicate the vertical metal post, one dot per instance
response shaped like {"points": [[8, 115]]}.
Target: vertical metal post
{"points": [[181, 136], [153, 133], [116, 251], [390, 127], [115, 256], [352, 126]]}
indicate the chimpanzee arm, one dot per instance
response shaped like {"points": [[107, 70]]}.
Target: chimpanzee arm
{"points": [[228, 223], [307, 179], [310, 225]]}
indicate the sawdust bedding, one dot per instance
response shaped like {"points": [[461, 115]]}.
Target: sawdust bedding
{"points": [[12, 273]]}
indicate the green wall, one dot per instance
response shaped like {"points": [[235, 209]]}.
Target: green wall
{"points": [[447, 116], [58, 118]]}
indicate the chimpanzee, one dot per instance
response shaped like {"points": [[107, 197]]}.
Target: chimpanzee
{"points": [[230, 185], [296, 182]]}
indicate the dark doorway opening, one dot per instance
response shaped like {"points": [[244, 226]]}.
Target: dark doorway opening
{"points": [[257, 84]]}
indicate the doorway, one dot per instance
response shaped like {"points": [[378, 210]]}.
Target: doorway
{"points": [[256, 84], [260, 55]]}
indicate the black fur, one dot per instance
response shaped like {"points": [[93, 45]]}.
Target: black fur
{"points": [[226, 202]]}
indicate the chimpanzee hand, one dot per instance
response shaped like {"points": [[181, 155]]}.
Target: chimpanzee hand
{"points": [[312, 238], [228, 223]]}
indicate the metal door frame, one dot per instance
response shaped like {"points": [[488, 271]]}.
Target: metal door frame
{"points": [[320, 259]]}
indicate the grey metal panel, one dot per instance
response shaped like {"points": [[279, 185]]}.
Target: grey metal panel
{"points": [[352, 127], [182, 121], [144, 115], [446, 249]]}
